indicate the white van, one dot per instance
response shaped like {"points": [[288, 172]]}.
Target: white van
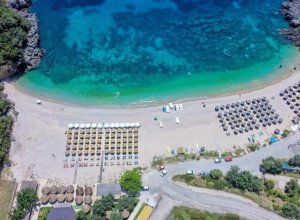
{"points": [[145, 188], [190, 172]]}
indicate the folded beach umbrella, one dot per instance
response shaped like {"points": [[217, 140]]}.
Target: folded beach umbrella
{"points": [[70, 126], [88, 125], [137, 124], [117, 125], [76, 125], [127, 124], [82, 125], [100, 125], [122, 125], [132, 124], [112, 125], [106, 125]]}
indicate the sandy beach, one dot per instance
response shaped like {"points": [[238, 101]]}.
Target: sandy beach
{"points": [[39, 132]]}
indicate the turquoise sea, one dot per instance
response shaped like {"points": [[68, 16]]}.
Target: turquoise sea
{"points": [[144, 52]]}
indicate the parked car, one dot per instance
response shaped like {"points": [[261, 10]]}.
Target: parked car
{"points": [[228, 158], [145, 188], [163, 173], [190, 172], [217, 160], [160, 168]]}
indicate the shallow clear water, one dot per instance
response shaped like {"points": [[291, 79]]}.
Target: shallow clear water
{"points": [[119, 52]]}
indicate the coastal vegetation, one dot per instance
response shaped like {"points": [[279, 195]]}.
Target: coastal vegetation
{"points": [[271, 165], [6, 123], [186, 213], [262, 191], [26, 198], [13, 35]]}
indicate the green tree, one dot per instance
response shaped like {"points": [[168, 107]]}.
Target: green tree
{"points": [[116, 216], [16, 214], [243, 180], [26, 198], [272, 165], [291, 188], [82, 216], [131, 181], [216, 174], [290, 210], [295, 161], [126, 202], [269, 184], [102, 205]]}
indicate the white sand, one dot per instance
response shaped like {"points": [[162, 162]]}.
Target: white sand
{"points": [[39, 131]]}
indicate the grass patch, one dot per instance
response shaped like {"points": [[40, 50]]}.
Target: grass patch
{"points": [[45, 211], [6, 196], [263, 199], [185, 213]]}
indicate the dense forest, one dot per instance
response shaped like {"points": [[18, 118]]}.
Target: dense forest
{"points": [[6, 123], [13, 35]]}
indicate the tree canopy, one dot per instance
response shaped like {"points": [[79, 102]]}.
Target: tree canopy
{"points": [[295, 161], [13, 35], [272, 165], [26, 198], [102, 205], [243, 180], [131, 181], [291, 210], [216, 174], [291, 187]]}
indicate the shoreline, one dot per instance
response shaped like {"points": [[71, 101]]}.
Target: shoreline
{"points": [[282, 77]]}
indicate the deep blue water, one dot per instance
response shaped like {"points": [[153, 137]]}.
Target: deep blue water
{"points": [[118, 51]]}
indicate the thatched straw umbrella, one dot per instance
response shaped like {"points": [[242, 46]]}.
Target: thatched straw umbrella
{"points": [[53, 190], [88, 191], [45, 190], [79, 191], [61, 198], [79, 200], [125, 214], [86, 208], [70, 189], [69, 197], [52, 198], [44, 199], [88, 200], [62, 190]]}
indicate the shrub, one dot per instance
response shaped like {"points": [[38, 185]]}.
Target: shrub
{"points": [[219, 184], [291, 188], [131, 181], [291, 211]]}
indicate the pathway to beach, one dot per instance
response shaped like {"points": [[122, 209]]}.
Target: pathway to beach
{"points": [[39, 133]]}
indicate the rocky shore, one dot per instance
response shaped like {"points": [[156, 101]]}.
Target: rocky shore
{"points": [[291, 12], [32, 54]]}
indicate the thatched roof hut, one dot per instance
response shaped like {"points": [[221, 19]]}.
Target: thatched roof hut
{"points": [[70, 189], [53, 190], [125, 214], [88, 200], [45, 190], [79, 200], [69, 197], [86, 208], [62, 190], [61, 198], [52, 198], [88, 191], [79, 191], [44, 199]]}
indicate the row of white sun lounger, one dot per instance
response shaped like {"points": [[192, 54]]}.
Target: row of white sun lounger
{"points": [[104, 125]]}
